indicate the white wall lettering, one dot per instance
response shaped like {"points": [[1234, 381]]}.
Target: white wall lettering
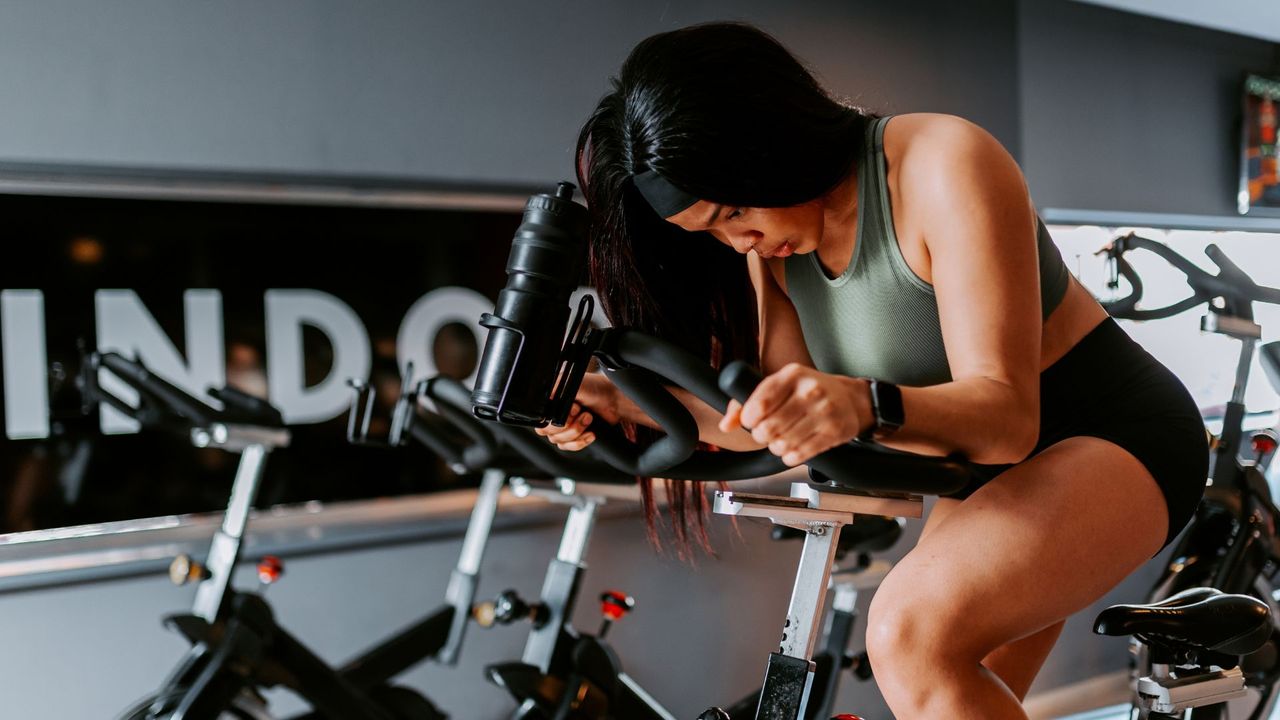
{"points": [[287, 311], [26, 385], [127, 327]]}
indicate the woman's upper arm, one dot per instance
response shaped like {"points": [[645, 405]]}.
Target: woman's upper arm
{"points": [[781, 338], [978, 225]]}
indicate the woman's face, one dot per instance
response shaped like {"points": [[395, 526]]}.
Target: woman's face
{"points": [[769, 232]]}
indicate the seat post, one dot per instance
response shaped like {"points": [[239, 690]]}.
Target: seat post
{"points": [[224, 551], [253, 444], [820, 515], [461, 592], [564, 572]]}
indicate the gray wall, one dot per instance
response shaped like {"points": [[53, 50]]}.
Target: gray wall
{"points": [[1130, 113], [480, 91], [1104, 109]]}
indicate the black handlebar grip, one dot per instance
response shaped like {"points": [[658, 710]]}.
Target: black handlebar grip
{"points": [[158, 390], [1229, 270], [535, 450], [244, 408], [864, 466], [738, 380], [427, 430]]}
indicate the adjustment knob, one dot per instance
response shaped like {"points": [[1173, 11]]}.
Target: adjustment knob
{"points": [[507, 608], [714, 714], [1264, 443], [184, 570], [614, 604], [270, 569], [846, 716]]}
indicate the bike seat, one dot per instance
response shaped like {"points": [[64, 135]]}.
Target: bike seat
{"points": [[1194, 619], [526, 683], [869, 533]]}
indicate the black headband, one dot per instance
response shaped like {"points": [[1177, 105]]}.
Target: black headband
{"points": [[666, 199]]}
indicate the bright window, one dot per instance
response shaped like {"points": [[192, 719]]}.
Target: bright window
{"points": [[1205, 362]]}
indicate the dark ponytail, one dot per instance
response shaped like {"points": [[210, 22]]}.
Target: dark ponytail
{"points": [[725, 113]]}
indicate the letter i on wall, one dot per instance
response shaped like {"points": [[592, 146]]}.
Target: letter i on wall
{"points": [[26, 383]]}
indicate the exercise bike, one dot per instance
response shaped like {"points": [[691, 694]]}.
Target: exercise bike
{"points": [[565, 673], [529, 377], [237, 646], [1231, 543]]}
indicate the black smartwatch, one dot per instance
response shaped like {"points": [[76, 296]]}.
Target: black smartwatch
{"points": [[886, 407]]}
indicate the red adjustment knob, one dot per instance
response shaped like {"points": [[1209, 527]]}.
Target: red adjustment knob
{"points": [[1264, 443], [270, 569], [846, 716], [615, 604]]}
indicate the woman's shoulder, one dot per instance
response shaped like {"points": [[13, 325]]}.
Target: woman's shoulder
{"points": [[919, 145], [931, 132]]}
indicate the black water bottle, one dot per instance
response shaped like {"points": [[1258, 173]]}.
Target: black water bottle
{"points": [[521, 356]]}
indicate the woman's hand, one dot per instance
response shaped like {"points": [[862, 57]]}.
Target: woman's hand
{"points": [[799, 412], [597, 397]]}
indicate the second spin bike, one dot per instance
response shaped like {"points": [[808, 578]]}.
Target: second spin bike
{"points": [[1231, 543], [238, 648]]}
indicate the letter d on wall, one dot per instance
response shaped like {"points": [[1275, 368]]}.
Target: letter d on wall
{"points": [[287, 311]]}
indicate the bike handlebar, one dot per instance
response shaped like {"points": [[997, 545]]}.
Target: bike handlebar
{"points": [[865, 466], [1231, 283], [161, 404], [453, 395], [640, 364]]}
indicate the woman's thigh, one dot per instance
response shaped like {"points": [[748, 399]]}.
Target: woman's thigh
{"points": [[1035, 544]]}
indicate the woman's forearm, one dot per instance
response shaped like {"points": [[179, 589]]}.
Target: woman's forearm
{"points": [[707, 418], [982, 419]]}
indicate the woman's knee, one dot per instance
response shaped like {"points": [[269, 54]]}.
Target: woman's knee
{"points": [[911, 624]]}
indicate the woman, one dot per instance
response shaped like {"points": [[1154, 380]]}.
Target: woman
{"points": [[892, 279]]}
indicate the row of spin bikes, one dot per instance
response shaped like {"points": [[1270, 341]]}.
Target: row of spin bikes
{"points": [[1207, 637]]}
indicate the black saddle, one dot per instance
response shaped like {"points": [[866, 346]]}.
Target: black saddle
{"points": [[1196, 619], [590, 690]]}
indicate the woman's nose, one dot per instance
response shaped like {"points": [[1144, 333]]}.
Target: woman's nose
{"points": [[747, 241]]}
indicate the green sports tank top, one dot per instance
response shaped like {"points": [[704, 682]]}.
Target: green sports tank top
{"points": [[879, 319]]}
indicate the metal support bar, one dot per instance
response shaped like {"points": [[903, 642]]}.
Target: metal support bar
{"points": [[804, 615], [1242, 370], [559, 594], [482, 513], [577, 532], [785, 694], [1174, 695], [564, 575], [224, 551], [461, 592], [821, 515]]}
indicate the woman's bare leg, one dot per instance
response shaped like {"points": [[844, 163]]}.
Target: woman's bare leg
{"points": [[1037, 543]]}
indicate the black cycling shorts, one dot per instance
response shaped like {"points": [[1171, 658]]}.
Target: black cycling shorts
{"points": [[1109, 387]]}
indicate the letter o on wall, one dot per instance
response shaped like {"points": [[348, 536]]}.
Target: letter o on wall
{"points": [[430, 313]]}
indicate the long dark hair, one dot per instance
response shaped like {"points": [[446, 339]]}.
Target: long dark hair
{"points": [[725, 113]]}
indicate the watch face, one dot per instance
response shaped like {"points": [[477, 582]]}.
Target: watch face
{"points": [[887, 399]]}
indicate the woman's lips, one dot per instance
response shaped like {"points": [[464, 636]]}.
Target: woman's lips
{"points": [[782, 250]]}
